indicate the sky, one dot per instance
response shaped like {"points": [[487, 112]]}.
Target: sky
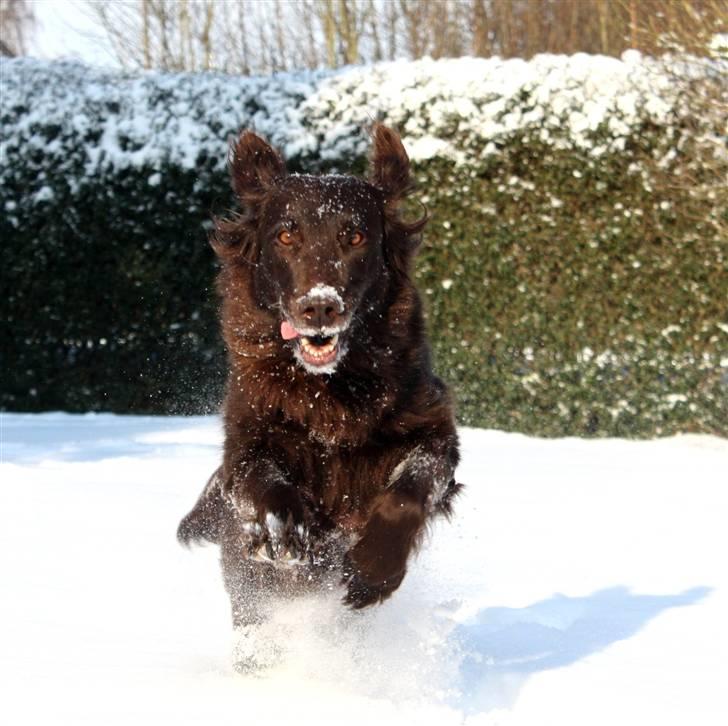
{"points": [[66, 28]]}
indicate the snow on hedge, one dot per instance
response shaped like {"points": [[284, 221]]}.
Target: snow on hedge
{"points": [[141, 120], [95, 121], [443, 106]]}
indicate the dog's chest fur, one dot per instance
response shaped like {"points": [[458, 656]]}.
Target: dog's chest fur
{"points": [[335, 437]]}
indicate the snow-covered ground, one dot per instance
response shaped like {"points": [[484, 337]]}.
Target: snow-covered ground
{"points": [[582, 582]]}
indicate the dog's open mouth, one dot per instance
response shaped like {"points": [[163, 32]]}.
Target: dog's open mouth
{"points": [[319, 350]]}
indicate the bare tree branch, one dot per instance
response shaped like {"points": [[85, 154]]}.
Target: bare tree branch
{"points": [[17, 22], [261, 36]]}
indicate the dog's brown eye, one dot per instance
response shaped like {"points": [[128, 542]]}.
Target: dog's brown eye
{"points": [[285, 237], [356, 239]]}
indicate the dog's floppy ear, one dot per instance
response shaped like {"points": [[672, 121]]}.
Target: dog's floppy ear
{"points": [[390, 173], [254, 166], [390, 166]]}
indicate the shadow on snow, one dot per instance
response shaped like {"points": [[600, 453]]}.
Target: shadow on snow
{"points": [[502, 646], [29, 438]]}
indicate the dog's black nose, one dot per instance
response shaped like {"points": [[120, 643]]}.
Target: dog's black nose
{"points": [[320, 311]]}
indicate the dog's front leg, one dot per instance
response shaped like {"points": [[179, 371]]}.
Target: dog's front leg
{"points": [[280, 514], [420, 485]]}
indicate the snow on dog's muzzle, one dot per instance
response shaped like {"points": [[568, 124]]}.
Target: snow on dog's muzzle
{"points": [[316, 321]]}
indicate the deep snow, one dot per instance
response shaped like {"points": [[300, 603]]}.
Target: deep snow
{"points": [[582, 582]]}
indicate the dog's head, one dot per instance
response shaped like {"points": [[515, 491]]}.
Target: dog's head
{"points": [[323, 249]]}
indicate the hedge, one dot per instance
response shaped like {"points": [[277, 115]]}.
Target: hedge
{"points": [[575, 269]]}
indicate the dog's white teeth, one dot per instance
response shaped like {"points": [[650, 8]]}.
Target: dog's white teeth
{"points": [[319, 351]]}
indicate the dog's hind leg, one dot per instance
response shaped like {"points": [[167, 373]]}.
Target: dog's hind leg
{"points": [[251, 586], [204, 521], [250, 603]]}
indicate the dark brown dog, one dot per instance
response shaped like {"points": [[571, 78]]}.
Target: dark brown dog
{"points": [[340, 442]]}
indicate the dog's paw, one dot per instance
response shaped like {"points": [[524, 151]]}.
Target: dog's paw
{"points": [[284, 534], [285, 542], [361, 592], [376, 565]]}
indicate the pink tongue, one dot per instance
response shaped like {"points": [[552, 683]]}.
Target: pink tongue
{"points": [[288, 331]]}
